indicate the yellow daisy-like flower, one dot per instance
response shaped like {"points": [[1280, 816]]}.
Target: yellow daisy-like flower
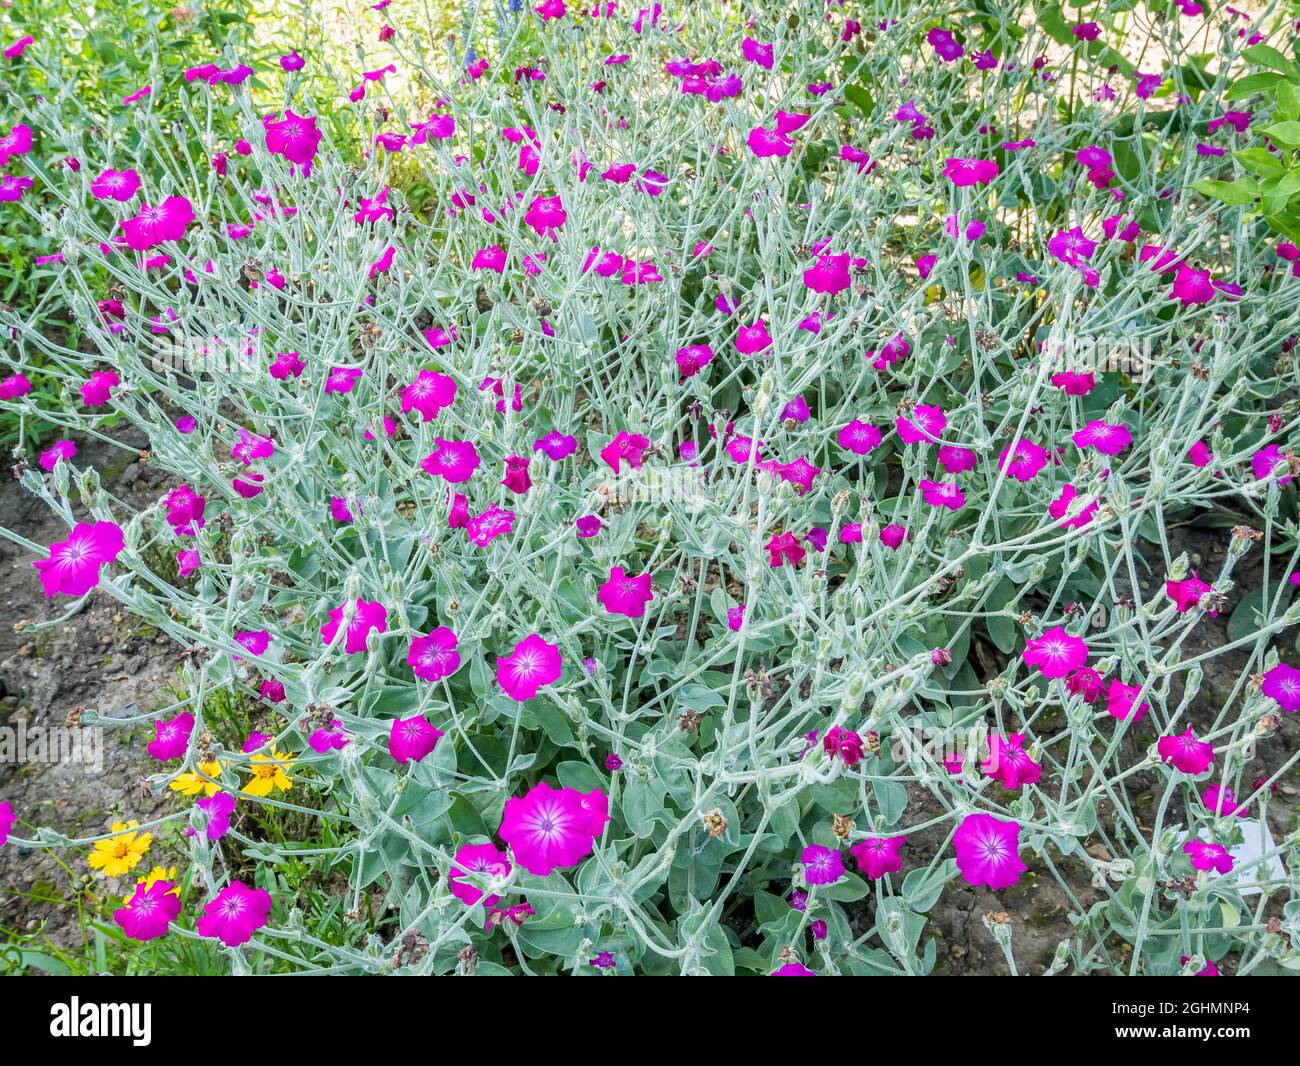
{"points": [[153, 876], [193, 784], [270, 771], [122, 852]]}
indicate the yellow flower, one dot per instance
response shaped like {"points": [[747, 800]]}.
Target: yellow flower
{"points": [[193, 784], [269, 771], [153, 876], [122, 852]]}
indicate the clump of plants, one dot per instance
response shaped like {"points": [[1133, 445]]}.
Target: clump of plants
{"points": [[735, 508]]}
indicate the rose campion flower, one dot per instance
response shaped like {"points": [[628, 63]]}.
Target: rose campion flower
{"points": [[517, 479], [625, 595], [793, 969], [822, 866], [1187, 593], [250, 446], [625, 446], [154, 225], [1208, 856], [342, 379], [56, 452], [235, 914], [1120, 700], [1074, 384], [1282, 686], [845, 743], [185, 510], [858, 437], [481, 862], [1104, 437], [1185, 753], [332, 737], [547, 828], [453, 460], [546, 215], [892, 536], [217, 809], [751, 340], [1009, 763], [736, 617], [988, 851], [830, 274], [784, 548], [483, 528], [171, 738], [1056, 653], [1060, 509], [6, 822], [1222, 801], [428, 394], [150, 911], [74, 565], [957, 460], [1024, 461], [366, 615], [942, 494], [925, 425], [966, 172], [97, 390], [877, 856], [556, 445], [119, 185], [411, 739], [434, 656], [533, 664], [294, 138], [765, 143]]}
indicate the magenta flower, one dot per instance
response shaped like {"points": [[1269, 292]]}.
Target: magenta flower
{"points": [[154, 225], [251, 446], [97, 389], [784, 548], [235, 914], [1060, 509], [118, 185], [545, 215], [877, 856], [625, 595], [966, 172], [556, 445], [185, 511], [483, 528], [1221, 800], [1206, 856], [1120, 700], [892, 536], [294, 138], [546, 828], [1187, 593], [1282, 685], [1185, 753], [945, 45], [750, 340], [484, 862], [1024, 461], [74, 564], [6, 822], [434, 655], [152, 909], [822, 866], [1106, 438], [793, 969], [56, 452], [1074, 384], [332, 737], [1056, 653], [1009, 763], [830, 274], [342, 379], [845, 743], [218, 808], [287, 365], [533, 664], [754, 52], [924, 427], [988, 851], [453, 460], [365, 615], [516, 475], [693, 358], [172, 738], [764, 143], [942, 494], [411, 739], [428, 394], [858, 437], [629, 446]]}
